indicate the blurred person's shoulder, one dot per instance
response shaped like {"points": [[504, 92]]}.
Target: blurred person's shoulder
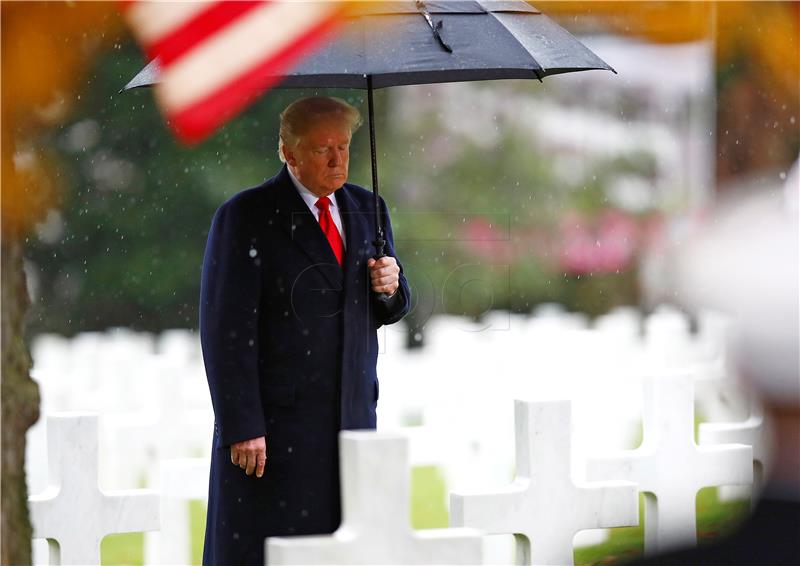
{"points": [[770, 536]]}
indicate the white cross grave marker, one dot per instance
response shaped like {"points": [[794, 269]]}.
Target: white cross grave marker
{"points": [[544, 507], [169, 430], [668, 338], [375, 525], [181, 480], [73, 512], [755, 432], [669, 466]]}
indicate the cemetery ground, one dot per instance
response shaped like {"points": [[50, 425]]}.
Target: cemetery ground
{"points": [[615, 407], [429, 492]]}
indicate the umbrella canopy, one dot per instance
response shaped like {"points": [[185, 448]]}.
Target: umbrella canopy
{"points": [[404, 42]]}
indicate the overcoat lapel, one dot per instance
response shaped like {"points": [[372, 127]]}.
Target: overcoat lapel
{"points": [[356, 235], [355, 308], [304, 230]]}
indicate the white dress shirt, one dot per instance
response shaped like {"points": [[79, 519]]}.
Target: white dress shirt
{"points": [[311, 201]]}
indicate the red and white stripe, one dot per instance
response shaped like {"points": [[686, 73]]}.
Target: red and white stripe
{"points": [[217, 57]]}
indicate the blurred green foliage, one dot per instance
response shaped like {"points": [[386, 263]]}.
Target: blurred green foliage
{"points": [[474, 221], [478, 209], [127, 249]]}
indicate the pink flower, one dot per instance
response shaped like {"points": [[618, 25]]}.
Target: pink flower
{"points": [[488, 240], [606, 244]]}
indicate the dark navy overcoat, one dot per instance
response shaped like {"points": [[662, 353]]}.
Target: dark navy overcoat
{"points": [[290, 345]]}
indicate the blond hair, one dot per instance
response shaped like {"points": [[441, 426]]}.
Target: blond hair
{"points": [[300, 115]]}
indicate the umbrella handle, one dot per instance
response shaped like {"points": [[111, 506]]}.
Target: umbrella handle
{"points": [[380, 246]]}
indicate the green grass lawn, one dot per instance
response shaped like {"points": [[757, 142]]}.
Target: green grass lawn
{"points": [[714, 518], [429, 511]]}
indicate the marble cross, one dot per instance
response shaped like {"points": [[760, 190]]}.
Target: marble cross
{"points": [[181, 480], [669, 467], [755, 432], [169, 429], [668, 339], [375, 525], [73, 513], [544, 507]]}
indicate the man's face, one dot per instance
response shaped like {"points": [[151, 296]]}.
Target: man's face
{"points": [[320, 159]]}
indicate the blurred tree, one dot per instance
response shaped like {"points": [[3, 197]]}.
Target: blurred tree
{"points": [[45, 51]]}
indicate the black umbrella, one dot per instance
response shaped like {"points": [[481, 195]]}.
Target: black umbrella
{"points": [[393, 43]]}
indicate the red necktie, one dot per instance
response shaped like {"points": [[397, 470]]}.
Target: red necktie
{"points": [[329, 228]]}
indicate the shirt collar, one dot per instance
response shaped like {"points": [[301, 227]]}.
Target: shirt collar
{"points": [[309, 197]]}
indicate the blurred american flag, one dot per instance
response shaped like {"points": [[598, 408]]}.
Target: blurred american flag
{"points": [[217, 57]]}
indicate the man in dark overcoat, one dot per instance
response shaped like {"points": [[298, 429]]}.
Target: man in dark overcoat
{"points": [[291, 301]]}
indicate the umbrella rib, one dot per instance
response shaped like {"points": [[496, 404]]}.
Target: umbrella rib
{"points": [[537, 69], [435, 28]]}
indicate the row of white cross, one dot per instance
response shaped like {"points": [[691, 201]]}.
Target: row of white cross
{"points": [[544, 506], [160, 387]]}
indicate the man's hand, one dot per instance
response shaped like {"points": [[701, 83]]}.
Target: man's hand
{"points": [[385, 274], [250, 455]]}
